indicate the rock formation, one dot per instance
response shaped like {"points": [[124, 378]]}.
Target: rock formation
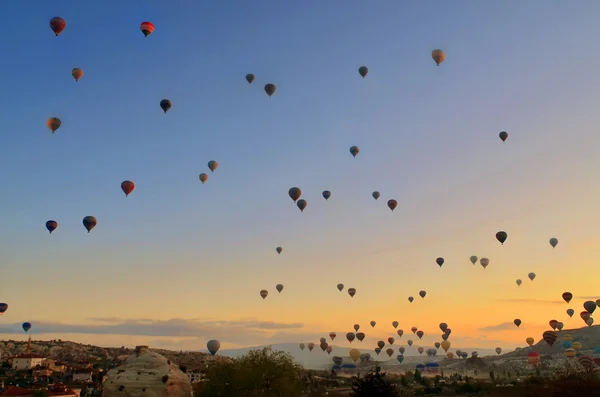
{"points": [[147, 374]]}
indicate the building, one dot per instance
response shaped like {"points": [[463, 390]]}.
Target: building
{"points": [[82, 376], [59, 390], [27, 360], [195, 375]]}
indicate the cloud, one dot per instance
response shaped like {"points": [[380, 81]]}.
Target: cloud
{"points": [[241, 331], [507, 326], [526, 300], [589, 297]]}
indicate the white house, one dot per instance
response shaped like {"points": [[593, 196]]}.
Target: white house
{"points": [[27, 361]]}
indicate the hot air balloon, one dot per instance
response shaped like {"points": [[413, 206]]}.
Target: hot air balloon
{"points": [[590, 306], [392, 204], [517, 322], [354, 354], [411, 299], [389, 351], [249, 78], [391, 340], [329, 349], [570, 312], [373, 323], [531, 276], [295, 193], [264, 293], [376, 195], [26, 326], [360, 336], [395, 324], [57, 24], [401, 349], [213, 346], [127, 187], [213, 165], [445, 345], [473, 259], [553, 324], [400, 333], [577, 346], [450, 355], [533, 358], [439, 261], [414, 330], [559, 326], [420, 334], [301, 346], [438, 56], [380, 344], [326, 194], [301, 204], [363, 71], [530, 341], [584, 315], [279, 287], [420, 350], [77, 73], [498, 350], [519, 282], [501, 236], [311, 346], [89, 222], [3, 307], [377, 350], [203, 177], [324, 346], [51, 226], [443, 327], [503, 135], [356, 327], [445, 336], [340, 287], [279, 249], [53, 123], [270, 89], [448, 331], [590, 321], [332, 335], [409, 342], [568, 337], [553, 242], [550, 337], [437, 345], [147, 28], [351, 292], [354, 150], [598, 302], [422, 294], [570, 353], [484, 262], [165, 105], [400, 358], [586, 362]]}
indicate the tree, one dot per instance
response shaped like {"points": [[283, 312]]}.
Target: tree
{"points": [[373, 384], [260, 373]]}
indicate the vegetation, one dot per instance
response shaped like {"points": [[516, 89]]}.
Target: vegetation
{"points": [[373, 384], [264, 373]]}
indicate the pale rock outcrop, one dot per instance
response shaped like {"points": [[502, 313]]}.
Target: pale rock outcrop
{"points": [[146, 374]]}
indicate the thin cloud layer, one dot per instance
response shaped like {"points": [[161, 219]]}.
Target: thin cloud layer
{"points": [[533, 300], [248, 330], [507, 326]]}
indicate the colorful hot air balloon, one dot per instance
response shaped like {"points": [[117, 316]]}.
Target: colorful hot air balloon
{"points": [[213, 346], [584, 315], [395, 324], [270, 89], [213, 165], [354, 150], [445, 345], [373, 323], [51, 226], [326, 194], [549, 337], [533, 358], [503, 135], [400, 358], [517, 322], [553, 242], [127, 187], [340, 287], [437, 345], [498, 350], [279, 249], [590, 306], [302, 346], [420, 350], [324, 346], [295, 193], [484, 262], [203, 177], [420, 334], [473, 259], [439, 261], [249, 78], [301, 204], [350, 336], [391, 340], [356, 327], [380, 344], [360, 336], [311, 346], [553, 323], [400, 333], [351, 292], [530, 341], [354, 354], [559, 326], [165, 105], [389, 351], [279, 287], [401, 349], [57, 24], [332, 335], [570, 312], [147, 28], [501, 236], [363, 71], [443, 327], [577, 346], [77, 73], [586, 362], [53, 123], [264, 293], [376, 195], [438, 56], [409, 342], [26, 326], [448, 331], [3, 307], [422, 294], [392, 204], [89, 222]]}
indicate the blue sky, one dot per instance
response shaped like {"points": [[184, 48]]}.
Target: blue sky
{"points": [[428, 137]]}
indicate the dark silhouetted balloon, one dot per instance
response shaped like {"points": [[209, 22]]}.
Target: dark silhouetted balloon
{"points": [[270, 89], [51, 226], [57, 24]]}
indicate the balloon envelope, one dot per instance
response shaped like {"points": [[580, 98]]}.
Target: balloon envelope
{"points": [[213, 346]]}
